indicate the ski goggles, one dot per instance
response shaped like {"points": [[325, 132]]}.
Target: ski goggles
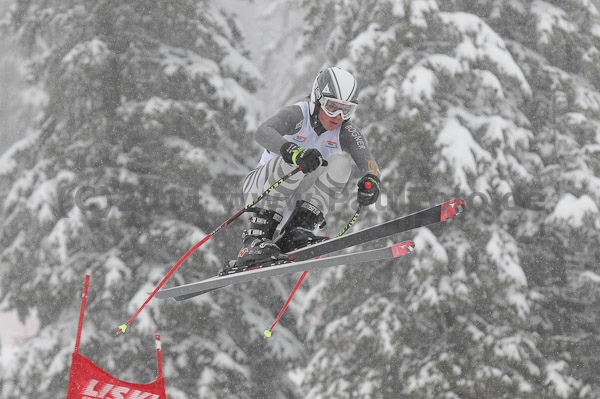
{"points": [[333, 107]]}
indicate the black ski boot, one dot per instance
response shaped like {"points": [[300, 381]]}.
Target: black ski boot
{"points": [[257, 248], [298, 230]]}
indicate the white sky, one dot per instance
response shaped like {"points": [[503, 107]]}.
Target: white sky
{"points": [[13, 332]]}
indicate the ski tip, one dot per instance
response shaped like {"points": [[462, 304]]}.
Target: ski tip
{"points": [[267, 333], [403, 248], [452, 208]]}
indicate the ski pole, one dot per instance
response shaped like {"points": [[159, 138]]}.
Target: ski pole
{"points": [[123, 327], [350, 223]]}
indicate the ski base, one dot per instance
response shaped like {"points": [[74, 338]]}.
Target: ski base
{"points": [[194, 289], [304, 259]]}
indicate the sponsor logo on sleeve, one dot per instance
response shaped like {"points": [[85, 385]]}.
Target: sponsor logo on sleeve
{"points": [[357, 135], [373, 168]]}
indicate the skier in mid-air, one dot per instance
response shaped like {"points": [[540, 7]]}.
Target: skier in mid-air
{"points": [[304, 135]]}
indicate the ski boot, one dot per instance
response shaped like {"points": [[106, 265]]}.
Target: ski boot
{"points": [[298, 230], [257, 249]]}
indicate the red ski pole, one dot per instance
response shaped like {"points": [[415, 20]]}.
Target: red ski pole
{"points": [[123, 327], [270, 330]]}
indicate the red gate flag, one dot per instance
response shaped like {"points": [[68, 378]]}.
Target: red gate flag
{"points": [[89, 381]]}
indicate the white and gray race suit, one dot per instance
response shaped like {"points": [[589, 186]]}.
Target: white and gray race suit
{"points": [[324, 186]]}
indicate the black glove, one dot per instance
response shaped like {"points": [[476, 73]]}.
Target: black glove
{"points": [[368, 189], [307, 159]]}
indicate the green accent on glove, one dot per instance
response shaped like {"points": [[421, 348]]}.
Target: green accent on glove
{"points": [[295, 154]]}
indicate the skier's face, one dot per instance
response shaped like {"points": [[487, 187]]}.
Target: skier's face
{"points": [[328, 122]]}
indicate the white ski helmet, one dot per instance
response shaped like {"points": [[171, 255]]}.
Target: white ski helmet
{"points": [[336, 90]]}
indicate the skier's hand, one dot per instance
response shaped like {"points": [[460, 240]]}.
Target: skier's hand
{"points": [[307, 159], [368, 189]]}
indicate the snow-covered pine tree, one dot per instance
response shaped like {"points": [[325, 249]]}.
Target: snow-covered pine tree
{"points": [[15, 106], [450, 100], [137, 157], [558, 44], [287, 73]]}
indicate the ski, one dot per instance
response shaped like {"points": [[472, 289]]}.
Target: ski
{"points": [[191, 290], [422, 218]]}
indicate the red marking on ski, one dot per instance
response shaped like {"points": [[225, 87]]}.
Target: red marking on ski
{"points": [[449, 209], [402, 249]]}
